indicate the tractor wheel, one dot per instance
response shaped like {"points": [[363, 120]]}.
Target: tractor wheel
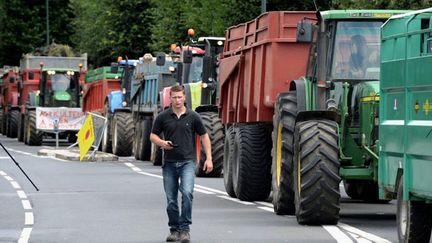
{"points": [[282, 153], [228, 161], [13, 123], [214, 128], [20, 134], [34, 137], [137, 144], [316, 172], [142, 144], [123, 133], [4, 124], [414, 219], [106, 144], [25, 120], [252, 156], [2, 120]]}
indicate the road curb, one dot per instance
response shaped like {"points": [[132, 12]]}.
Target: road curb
{"points": [[73, 155]]}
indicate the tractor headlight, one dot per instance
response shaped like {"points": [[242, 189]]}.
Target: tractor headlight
{"points": [[124, 103]]}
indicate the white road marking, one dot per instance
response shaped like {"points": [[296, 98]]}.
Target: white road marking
{"points": [[28, 216], [15, 185], [136, 169], [270, 205], [359, 239], [25, 235], [4, 157], [363, 234], [149, 174], [211, 189], [337, 233], [21, 194], [266, 209], [26, 204]]}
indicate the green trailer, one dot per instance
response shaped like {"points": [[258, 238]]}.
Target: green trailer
{"points": [[405, 138]]}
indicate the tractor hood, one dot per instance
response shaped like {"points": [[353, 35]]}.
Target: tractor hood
{"points": [[369, 91]]}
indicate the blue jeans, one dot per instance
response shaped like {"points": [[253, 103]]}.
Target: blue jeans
{"points": [[179, 176]]}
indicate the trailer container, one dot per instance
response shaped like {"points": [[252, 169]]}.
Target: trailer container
{"points": [[259, 60], [405, 162]]}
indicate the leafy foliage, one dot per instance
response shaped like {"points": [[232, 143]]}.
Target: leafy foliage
{"points": [[106, 29]]}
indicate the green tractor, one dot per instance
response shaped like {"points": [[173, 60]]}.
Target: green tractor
{"points": [[325, 128], [54, 92]]}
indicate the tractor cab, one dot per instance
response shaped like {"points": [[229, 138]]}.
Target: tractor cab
{"points": [[59, 88]]}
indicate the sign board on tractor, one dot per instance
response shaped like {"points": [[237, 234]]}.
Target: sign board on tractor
{"points": [[70, 119]]}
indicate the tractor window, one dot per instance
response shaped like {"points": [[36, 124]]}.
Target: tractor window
{"points": [[196, 68], [60, 82], [356, 51]]}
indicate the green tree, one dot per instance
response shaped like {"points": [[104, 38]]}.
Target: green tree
{"points": [[23, 28], [106, 29], [168, 24]]}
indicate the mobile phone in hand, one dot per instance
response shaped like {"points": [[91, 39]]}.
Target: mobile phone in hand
{"points": [[172, 144]]}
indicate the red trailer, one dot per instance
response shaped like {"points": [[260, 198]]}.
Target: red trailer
{"points": [[96, 94], [260, 59], [9, 107]]}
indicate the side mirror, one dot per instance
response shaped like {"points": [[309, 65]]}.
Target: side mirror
{"points": [[304, 31], [187, 56], [160, 59]]}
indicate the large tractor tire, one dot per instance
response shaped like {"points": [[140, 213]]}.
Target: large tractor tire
{"points": [[13, 123], [283, 152], [414, 219], [122, 134], [228, 161], [214, 128], [142, 144], [20, 134], [251, 170], [106, 143], [316, 172], [2, 120], [33, 136]]}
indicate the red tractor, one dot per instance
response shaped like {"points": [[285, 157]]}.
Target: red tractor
{"points": [[9, 112]]}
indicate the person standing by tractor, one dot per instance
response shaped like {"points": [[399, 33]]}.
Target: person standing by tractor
{"points": [[179, 126]]}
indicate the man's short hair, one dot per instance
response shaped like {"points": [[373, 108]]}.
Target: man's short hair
{"points": [[177, 88]]}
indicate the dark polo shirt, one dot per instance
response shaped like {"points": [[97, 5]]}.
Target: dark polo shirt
{"points": [[180, 131]]}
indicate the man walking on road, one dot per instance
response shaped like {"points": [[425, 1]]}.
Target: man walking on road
{"points": [[179, 126]]}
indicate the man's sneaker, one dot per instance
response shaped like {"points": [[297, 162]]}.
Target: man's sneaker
{"points": [[184, 236], [174, 236]]}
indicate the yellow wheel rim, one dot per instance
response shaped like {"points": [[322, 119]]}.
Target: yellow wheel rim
{"points": [[278, 153]]}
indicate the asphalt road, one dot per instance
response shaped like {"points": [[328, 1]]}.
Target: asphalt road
{"points": [[123, 201]]}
